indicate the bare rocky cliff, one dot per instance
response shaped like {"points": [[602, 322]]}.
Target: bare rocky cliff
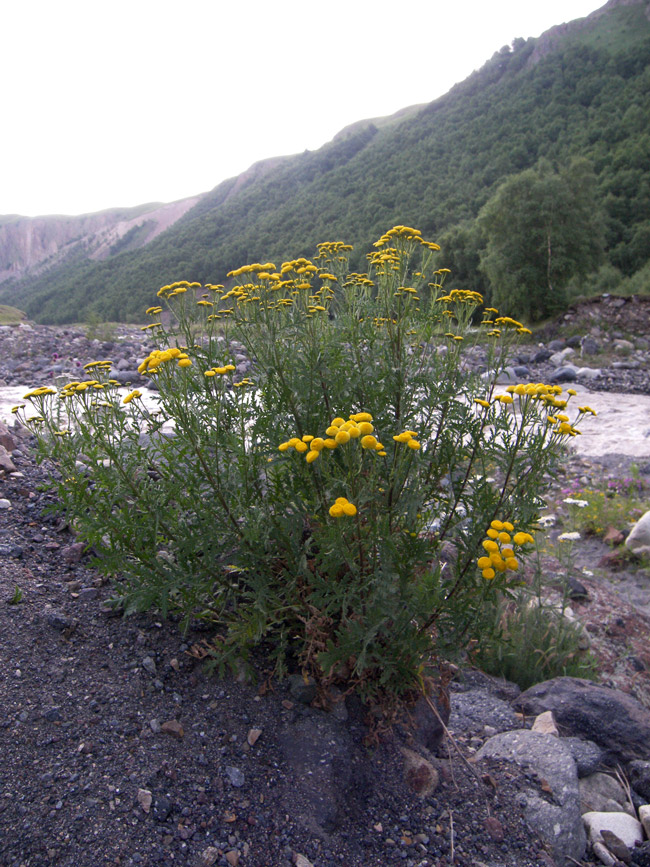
{"points": [[30, 245]]}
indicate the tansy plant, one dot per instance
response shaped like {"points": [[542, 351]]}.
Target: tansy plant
{"points": [[350, 503]]}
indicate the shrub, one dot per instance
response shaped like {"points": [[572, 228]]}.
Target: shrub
{"points": [[349, 504]]}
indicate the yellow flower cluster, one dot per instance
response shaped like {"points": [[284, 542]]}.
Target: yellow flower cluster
{"points": [[177, 288], [255, 268], [73, 388], [152, 311], [39, 392], [410, 438], [219, 371], [330, 249], [243, 382], [499, 551], [405, 233], [132, 396], [160, 356], [342, 507], [98, 365], [462, 296], [339, 433]]}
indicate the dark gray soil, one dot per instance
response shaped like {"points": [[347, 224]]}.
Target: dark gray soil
{"points": [[84, 699]]}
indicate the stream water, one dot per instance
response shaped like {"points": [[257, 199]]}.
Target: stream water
{"points": [[622, 425]]}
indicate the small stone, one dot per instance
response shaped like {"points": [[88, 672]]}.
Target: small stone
{"points": [[155, 726], [145, 799], [209, 856], [302, 689], [58, 621], [232, 857], [235, 776], [174, 728], [494, 828], [613, 536], [419, 774], [545, 723], [149, 665], [5, 504], [72, 554], [175, 664], [300, 861], [253, 736]]}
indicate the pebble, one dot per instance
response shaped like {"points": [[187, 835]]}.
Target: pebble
{"points": [[173, 728], [235, 776], [5, 504]]}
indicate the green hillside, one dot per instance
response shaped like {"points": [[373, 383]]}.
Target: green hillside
{"points": [[582, 93]]}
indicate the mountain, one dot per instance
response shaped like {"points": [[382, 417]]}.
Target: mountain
{"points": [[581, 90], [33, 245]]}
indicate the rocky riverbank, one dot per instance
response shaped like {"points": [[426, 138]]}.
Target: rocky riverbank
{"points": [[119, 748]]}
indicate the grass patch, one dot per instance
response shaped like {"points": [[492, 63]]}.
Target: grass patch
{"points": [[11, 315]]}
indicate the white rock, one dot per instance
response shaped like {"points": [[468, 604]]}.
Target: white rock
{"points": [[5, 504], [626, 827], [639, 539], [644, 815], [603, 854], [545, 723]]}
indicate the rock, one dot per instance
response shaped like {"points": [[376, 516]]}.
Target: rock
{"points": [[162, 808], [603, 793], [567, 373], [639, 539], [232, 857], [494, 828], [557, 345], [557, 820], [4, 504], [149, 665], [475, 708], [174, 728], [209, 856], [73, 553], [419, 774], [545, 724], [59, 621], [589, 373], [7, 440], [558, 358], [302, 689], [639, 772], [235, 776], [144, 799], [625, 345], [253, 736], [6, 463], [615, 721], [301, 861], [625, 827], [589, 346], [614, 536], [644, 818]]}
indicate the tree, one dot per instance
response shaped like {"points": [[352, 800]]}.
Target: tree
{"points": [[542, 228]]}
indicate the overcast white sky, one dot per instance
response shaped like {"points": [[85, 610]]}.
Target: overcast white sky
{"points": [[132, 101]]}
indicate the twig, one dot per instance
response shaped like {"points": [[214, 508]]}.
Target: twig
{"points": [[451, 836], [458, 750]]}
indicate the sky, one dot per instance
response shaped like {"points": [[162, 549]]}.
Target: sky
{"points": [[121, 103]]}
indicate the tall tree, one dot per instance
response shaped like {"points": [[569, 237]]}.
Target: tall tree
{"points": [[543, 227]]}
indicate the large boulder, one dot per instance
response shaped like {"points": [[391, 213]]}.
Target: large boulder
{"points": [[618, 723], [639, 539], [552, 798]]}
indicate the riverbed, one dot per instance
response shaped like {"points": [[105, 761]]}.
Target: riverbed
{"points": [[621, 426]]}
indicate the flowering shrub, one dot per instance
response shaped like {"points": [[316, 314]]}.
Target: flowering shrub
{"points": [[348, 505]]}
